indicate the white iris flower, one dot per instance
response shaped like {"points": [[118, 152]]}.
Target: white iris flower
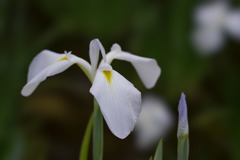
{"points": [[119, 100], [212, 22]]}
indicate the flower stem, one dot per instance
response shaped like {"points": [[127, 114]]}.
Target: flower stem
{"points": [[183, 147], [86, 139], [97, 132]]}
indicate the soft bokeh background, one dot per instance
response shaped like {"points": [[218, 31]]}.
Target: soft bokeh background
{"points": [[49, 124]]}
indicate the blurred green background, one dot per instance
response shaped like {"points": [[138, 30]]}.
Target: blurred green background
{"points": [[49, 124]]}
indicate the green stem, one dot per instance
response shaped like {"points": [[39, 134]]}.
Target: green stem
{"points": [[86, 139], [97, 133], [183, 147]]}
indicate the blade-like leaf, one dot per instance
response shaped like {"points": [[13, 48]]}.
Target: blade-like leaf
{"points": [[86, 139], [183, 147], [97, 133], [158, 154]]}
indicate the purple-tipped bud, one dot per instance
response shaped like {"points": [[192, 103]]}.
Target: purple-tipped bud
{"points": [[183, 119]]}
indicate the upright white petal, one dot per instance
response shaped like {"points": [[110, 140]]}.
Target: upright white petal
{"points": [[94, 48], [147, 68], [183, 118], [233, 24], [119, 100], [48, 63]]}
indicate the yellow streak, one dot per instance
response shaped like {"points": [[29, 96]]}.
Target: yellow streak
{"points": [[62, 59], [108, 75]]}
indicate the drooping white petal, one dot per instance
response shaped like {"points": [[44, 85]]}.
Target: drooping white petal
{"points": [[94, 48], [183, 118], [233, 24], [43, 60], [147, 68], [48, 63], [119, 100], [51, 70], [208, 41]]}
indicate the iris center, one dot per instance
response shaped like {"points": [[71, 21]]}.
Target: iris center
{"points": [[62, 59], [108, 75]]}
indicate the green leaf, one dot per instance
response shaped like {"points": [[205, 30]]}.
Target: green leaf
{"points": [[97, 133], [150, 158], [158, 154], [183, 147], [86, 139]]}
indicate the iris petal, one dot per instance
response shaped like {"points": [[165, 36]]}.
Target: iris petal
{"points": [[48, 63], [119, 101], [147, 68]]}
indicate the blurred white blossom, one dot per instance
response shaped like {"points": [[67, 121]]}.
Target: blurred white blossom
{"points": [[213, 21], [154, 122]]}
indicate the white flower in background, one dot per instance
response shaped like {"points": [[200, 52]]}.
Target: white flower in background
{"points": [[212, 22], [119, 100], [183, 118], [155, 120]]}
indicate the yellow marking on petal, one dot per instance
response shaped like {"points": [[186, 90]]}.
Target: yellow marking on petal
{"points": [[62, 59], [108, 75]]}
